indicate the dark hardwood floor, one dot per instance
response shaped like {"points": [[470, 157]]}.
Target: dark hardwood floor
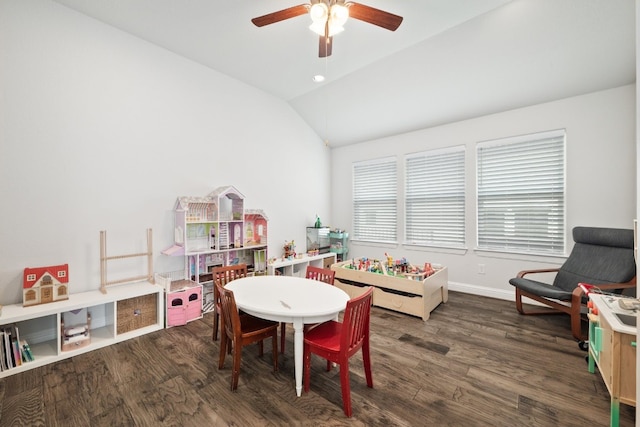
{"points": [[475, 362]]}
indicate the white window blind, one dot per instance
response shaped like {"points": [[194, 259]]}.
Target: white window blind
{"points": [[435, 198], [521, 194], [375, 195]]}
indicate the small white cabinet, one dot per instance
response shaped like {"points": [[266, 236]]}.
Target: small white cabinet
{"points": [[298, 266], [124, 312]]}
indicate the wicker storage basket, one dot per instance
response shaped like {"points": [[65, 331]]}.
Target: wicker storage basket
{"points": [[136, 313]]}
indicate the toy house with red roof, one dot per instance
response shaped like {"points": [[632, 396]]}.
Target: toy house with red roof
{"points": [[45, 284]]}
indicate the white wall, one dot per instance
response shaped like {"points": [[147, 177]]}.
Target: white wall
{"points": [[100, 130], [601, 179]]}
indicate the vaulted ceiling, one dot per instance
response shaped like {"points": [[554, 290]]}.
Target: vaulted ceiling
{"points": [[449, 60]]}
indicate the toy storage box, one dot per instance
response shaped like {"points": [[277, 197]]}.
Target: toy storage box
{"points": [[138, 312], [414, 297], [184, 302]]}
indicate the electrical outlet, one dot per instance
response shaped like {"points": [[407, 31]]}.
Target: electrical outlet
{"points": [[480, 268]]}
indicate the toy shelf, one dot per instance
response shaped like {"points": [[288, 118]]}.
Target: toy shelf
{"points": [[298, 266], [40, 325]]}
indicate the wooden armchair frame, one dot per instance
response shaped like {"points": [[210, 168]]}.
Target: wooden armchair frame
{"points": [[573, 308]]}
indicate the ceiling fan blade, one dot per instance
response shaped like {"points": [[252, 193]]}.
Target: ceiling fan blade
{"points": [[325, 46], [281, 15], [374, 16]]}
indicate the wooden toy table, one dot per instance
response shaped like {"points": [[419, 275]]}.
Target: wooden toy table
{"points": [[403, 294]]}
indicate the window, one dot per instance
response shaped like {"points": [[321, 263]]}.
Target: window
{"points": [[435, 198], [375, 193], [521, 186]]}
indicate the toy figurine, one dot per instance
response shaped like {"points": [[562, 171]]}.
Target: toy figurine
{"points": [[289, 250], [389, 260], [428, 269]]}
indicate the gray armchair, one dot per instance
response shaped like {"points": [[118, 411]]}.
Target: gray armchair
{"points": [[601, 256]]}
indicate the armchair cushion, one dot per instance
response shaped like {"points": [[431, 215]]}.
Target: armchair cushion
{"points": [[541, 289], [599, 256]]}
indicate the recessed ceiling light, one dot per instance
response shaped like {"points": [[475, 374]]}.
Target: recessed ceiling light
{"points": [[318, 78]]}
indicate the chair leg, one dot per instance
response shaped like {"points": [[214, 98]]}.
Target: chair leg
{"points": [[283, 332], [519, 302], [237, 354], [345, 386], [274, 351], [215, 324], [306, 368], [366, 358], [223, 351], [576, 323]]}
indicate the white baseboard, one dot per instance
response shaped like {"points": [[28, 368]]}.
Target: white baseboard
{"points": [[484, 291], [503, 294]]}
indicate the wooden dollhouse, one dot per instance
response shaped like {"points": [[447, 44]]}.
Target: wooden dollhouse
{"points": [[255, 236], [217, 230], [45, 284]]}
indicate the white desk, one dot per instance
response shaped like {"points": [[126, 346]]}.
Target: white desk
{"points": [[612, 349], [292, 300]]}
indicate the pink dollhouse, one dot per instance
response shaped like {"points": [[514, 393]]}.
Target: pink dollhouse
{"points": [[45, 284]]}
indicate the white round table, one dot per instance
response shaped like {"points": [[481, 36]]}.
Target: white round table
{"points": [[291, 300]]}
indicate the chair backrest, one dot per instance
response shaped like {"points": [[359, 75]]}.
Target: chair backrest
{"points": [[599, 256], [355, 323], [322, 274], [229, 312], [224, 275]]}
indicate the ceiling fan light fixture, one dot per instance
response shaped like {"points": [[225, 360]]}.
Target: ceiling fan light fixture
{"points": [[339, 14], [333, 17], [319, 13], [317, 27]]}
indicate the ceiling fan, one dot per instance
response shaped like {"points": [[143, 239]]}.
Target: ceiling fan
{"points": [[329, 16]]}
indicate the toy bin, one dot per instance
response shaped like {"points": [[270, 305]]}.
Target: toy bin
{"points": [[136, 313], [184, 305]]}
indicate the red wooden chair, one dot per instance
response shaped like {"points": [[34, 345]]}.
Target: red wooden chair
{"points": [[325, 275], [337, 342], [222, 276], [241, 330], [322, 274]]}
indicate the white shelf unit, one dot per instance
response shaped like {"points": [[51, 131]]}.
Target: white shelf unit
{"points": [[217, 230], [40, 325], [298, 266]]}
